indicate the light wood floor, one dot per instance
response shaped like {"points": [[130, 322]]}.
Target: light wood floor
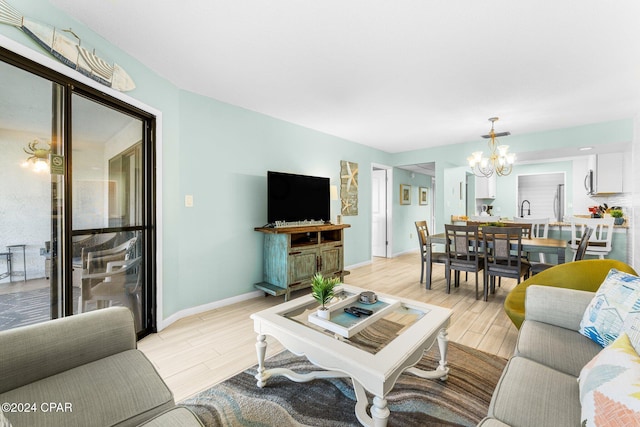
{"points": [[197, 352]]}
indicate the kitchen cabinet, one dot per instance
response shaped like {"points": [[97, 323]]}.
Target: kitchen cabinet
{"points": [[486, 187], [605, 173]]}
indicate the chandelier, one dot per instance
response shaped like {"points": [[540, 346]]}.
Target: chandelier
{"points": [[500, 161]]}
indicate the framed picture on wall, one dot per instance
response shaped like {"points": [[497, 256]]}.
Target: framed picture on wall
{"points": [[423, 195], [405, 194]]}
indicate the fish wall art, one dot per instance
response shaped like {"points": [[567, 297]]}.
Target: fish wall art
{"points": [[68, 50]]}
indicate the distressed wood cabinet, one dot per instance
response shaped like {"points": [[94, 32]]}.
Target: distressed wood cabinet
{"points": [[293, 255]]}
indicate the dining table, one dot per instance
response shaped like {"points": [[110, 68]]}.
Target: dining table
{"points": [[535, 244]]}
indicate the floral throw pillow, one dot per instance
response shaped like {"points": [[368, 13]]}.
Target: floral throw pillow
{"points": [[615, 307], [610, 386]]}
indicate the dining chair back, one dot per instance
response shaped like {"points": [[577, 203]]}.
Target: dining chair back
{"points": [[537, 267], [503, 255], [600, 243], [584, 242], [425, 248], [539, 230], [462, 245]]}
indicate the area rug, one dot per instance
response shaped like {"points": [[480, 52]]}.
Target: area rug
{"points": [[462, 400]]}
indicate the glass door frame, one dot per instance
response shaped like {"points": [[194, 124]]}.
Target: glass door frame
{"points": [[149, 227]]}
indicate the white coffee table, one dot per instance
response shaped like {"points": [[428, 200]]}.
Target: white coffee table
{"points": [[414, 328]]}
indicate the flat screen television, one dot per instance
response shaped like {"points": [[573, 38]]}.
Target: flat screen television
{"points": [[293, 197]]}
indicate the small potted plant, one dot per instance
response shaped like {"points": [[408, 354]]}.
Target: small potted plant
{"points": [[618, 215], [322, 291]]}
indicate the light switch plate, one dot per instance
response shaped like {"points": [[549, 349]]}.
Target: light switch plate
{"points": [[188, 201]]}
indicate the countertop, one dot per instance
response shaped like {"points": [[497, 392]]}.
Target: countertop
{"points": [[462, 218]]}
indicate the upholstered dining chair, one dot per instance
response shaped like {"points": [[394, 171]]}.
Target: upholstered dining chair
{"points": [[503, 256], [462, 247], [439, 257], [537, 267]]}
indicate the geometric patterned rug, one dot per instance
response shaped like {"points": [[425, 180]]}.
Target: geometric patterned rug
{"points": [[462, 400]]}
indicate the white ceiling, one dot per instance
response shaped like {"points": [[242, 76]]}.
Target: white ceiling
{"points": [[394, 75]]}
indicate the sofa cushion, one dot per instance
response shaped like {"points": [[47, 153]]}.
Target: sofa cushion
{"points": [[531, 394], [610, 386], [617, 301], [559, 348], [120, 390]]}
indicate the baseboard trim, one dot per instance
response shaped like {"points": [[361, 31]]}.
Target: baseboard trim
{"points": [[162, 324]]}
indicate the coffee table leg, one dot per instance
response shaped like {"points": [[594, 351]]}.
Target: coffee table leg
{"points": [[443, 345], [261, 349], [442, 371], [379, 410]]}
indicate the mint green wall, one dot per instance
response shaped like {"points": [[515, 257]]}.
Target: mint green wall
{"points": [[404, 216], [445, 157], [220, 154]]}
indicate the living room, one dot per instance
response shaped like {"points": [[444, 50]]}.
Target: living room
{"points": [[209, 255]]}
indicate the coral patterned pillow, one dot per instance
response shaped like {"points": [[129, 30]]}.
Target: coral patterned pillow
{"points": [[614, 307], [610, 386]]}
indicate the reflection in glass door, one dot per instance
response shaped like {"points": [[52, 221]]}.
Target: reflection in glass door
{"points": [[31, 200], [107, 202]]}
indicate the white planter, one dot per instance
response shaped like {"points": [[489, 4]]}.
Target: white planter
{"points": [[325, 314]]}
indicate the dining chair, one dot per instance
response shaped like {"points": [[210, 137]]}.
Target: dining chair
{"points": [[503, 256], [600, 243], [537, 267], [462, 245], [539, 230], [439, 257]]}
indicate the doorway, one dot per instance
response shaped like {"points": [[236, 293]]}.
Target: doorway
{"points": [[77, 231], [381, 185]]}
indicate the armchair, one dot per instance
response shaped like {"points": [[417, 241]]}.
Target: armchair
{"points": [[585, 275]]}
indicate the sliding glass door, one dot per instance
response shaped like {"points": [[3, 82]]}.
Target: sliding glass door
{"points": [[76, 209], [31, 200]]}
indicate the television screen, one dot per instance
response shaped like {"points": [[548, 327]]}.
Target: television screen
{"points": [[297, 197]]}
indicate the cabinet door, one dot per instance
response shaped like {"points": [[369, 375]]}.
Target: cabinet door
{"points": [[303, 265], [609, 177], [486, 187], [330, 260]]}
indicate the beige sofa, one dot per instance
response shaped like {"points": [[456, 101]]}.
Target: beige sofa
{"points": [[539, 385], [83, 371]]}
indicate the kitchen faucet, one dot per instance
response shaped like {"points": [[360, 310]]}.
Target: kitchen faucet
{"points": [[522, 208]]}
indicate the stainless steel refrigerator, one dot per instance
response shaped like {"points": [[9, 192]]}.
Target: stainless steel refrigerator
{"points": [[558, 203]]}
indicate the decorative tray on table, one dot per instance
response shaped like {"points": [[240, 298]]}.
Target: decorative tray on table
{"points": [[347, 325]]}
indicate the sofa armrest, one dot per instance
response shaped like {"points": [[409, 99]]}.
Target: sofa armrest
{"points": [[31, 353], [556, 306]]}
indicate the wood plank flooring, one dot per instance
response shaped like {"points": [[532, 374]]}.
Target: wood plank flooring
{"points": [[197, 352]]}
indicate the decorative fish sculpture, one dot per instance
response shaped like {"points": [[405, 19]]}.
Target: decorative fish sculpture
{"points": [[67, 50]]}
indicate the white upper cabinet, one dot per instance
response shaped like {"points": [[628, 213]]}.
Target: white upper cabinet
{"points": [[486, 187], [608, 173]]}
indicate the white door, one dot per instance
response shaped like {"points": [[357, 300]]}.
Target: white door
{"points": [[379, 213]]}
